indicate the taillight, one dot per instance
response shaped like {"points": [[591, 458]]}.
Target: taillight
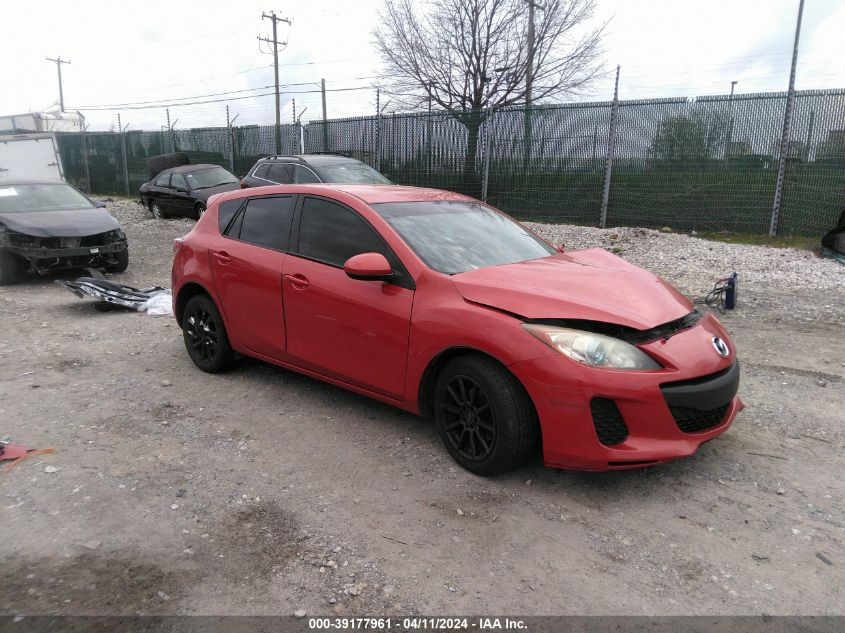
{"points": [[177, 244]]}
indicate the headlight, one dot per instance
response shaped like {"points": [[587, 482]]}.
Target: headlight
{"points": [[592, 349]]}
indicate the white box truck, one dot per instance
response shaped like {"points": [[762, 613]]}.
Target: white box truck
{"points": [[30, 156]]}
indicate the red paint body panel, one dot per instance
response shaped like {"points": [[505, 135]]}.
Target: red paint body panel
{"points": [[378, 339], [562, 390], [592, 285], [248, 281], [355, 331]]}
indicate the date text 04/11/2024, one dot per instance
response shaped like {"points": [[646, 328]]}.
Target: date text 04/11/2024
{"points": [[415, 624]]}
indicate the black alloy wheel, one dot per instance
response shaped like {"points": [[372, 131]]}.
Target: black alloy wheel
{"points": [[205, 335], [486, 419], [468, 418]]}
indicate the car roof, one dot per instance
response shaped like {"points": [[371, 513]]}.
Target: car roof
{"points": [[30, 181], [318, 160], [375, 194], [184, 169]]}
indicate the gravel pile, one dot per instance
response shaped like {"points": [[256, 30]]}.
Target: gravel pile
{"points": [[693, 262]]}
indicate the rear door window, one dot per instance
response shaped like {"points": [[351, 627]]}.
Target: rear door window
{"points": [[280, 173], [266, 222], [303, 175], [177, 181]]}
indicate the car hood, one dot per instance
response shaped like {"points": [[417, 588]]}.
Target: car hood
{"points": [[592, 285], [71, 223], [205, 194]]}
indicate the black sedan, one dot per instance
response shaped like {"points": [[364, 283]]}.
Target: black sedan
{"points": [[48, 225], [185, 190]]}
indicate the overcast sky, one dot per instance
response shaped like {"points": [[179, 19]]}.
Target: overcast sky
{"points": [[127, 54]]}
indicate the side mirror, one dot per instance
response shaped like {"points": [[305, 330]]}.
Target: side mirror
{"points": [[368, 267]]}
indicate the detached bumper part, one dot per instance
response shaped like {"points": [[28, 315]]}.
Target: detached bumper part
{"points": [[112, 293]]}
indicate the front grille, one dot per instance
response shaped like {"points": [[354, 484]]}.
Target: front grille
{"points": [[695, 421], [610, 426], [96, 240]]}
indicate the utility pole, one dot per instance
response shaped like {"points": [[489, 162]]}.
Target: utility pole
{"points": [[611, 144], [59, 61], [787, 118], [529, 81], [325, 121], [729, 135], [274, 42]]}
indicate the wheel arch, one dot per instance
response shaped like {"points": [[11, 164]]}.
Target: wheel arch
{"points": [[186, 292], [429, 376]]}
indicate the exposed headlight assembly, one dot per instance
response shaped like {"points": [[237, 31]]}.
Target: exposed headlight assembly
{"points": [[595, 350]]}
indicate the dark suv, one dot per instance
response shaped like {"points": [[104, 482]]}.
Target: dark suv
{"points": [[310, 168]]}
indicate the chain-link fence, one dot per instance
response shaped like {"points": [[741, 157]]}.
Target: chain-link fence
{"points": [[708, 164]]}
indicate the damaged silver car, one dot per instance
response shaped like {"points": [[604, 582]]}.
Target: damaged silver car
{"points": [[47, 225]]}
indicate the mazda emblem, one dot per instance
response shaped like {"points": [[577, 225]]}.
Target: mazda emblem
{"points": [[720, 346]]}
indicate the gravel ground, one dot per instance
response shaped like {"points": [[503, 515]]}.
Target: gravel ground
{"points": [[260, 491]]}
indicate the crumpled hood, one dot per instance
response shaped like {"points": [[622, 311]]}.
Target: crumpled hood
{"points": [[591, 284], [205, 194], [71, 223]]}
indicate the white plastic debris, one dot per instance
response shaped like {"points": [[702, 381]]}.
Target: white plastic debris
{"points": [[160, 304]]}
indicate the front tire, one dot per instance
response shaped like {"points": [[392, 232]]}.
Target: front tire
{"points": [[205, 335], [121, 262], [485, 417], [10, 269]]}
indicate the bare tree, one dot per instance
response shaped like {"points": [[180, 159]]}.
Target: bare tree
{"points": [[470, 57]]}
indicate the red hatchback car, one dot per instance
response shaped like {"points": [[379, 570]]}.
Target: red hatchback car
{"points": [[441, 305]]}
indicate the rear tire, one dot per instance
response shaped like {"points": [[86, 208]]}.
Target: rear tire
{"points": [[10, 269], [199, 209], [486, 419], [121, 263], [205, 335]]}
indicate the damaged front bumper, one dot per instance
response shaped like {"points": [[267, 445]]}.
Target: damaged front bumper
{"points": [[46, 254]]}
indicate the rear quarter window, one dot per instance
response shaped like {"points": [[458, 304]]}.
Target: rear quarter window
{"points": [[225, 212]]}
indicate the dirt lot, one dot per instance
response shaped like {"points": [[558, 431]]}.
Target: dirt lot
{"points": [[263, 492]]}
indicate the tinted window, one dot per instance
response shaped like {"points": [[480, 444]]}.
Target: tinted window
{"points": [[331, 233], [208, 178], [163, 180], [303, 175], [266, 222], [280, 173], [455, 236], [225, 212], [261, 172], [177, 181]]}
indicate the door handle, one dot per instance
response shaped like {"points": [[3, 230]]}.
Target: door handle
{"points": [[300, 282], [222, 257]]}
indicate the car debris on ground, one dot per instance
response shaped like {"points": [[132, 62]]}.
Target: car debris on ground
{"points": [[154, 300]]}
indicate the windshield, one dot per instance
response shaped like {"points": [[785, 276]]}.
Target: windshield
{"points": [[209, 178], [41, 197], [352, 172], [455, 236]]}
